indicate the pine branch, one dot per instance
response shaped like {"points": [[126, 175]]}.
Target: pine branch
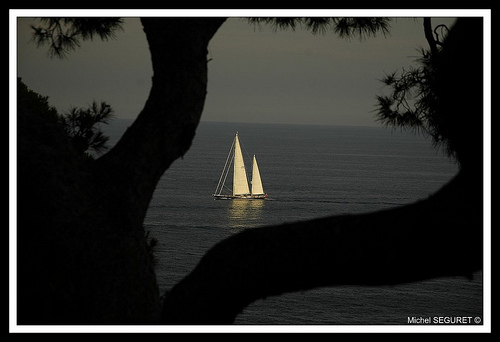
{"points": [[344, 27], [64, 35]]}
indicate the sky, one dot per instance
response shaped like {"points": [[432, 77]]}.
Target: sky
{"points": [[256, 74]]}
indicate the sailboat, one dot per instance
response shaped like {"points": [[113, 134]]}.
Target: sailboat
{"points": [[241, 188]]}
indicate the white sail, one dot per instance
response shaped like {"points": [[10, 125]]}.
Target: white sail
{"points": [[240, 181], [257, 188]]}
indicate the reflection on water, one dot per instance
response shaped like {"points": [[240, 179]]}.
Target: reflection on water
{"points": [[245, 213]]}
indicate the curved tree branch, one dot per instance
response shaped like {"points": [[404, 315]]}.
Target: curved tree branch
{"points": [[440, 236], [437, 40], [429, 37]]}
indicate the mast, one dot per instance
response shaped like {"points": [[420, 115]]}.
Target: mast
{"points": [[240, 181], [257, 188]]}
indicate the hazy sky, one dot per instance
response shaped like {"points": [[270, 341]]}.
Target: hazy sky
{"points": [[255, 74]]}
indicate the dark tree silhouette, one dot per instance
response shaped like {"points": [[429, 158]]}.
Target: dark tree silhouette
{"points": [[343, 27], [63, 35], [83, 256], [417, 92], [83, 127]]}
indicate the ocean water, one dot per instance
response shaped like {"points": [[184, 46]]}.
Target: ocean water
{"points": [[308, 171]]}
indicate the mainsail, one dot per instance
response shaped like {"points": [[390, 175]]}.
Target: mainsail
{"points": [[240, 182]]}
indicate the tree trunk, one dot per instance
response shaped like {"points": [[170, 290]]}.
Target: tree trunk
{"points": [[165, 128], [82, 253]]}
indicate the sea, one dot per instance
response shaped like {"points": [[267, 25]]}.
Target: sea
{"points": [[308, 171]]}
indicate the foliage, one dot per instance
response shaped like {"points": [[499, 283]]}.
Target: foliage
{"points": [[64, 34], [344, 27], [414, 101], [411, 104], [82, 126], [35, 103]]}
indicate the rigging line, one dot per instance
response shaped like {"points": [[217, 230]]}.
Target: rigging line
{"points": [[246, 152], [225, 164], [227, 188], [225, 177], [225, 172]]}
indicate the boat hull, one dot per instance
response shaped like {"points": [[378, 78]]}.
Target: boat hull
{"points": [[244, 197]]}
